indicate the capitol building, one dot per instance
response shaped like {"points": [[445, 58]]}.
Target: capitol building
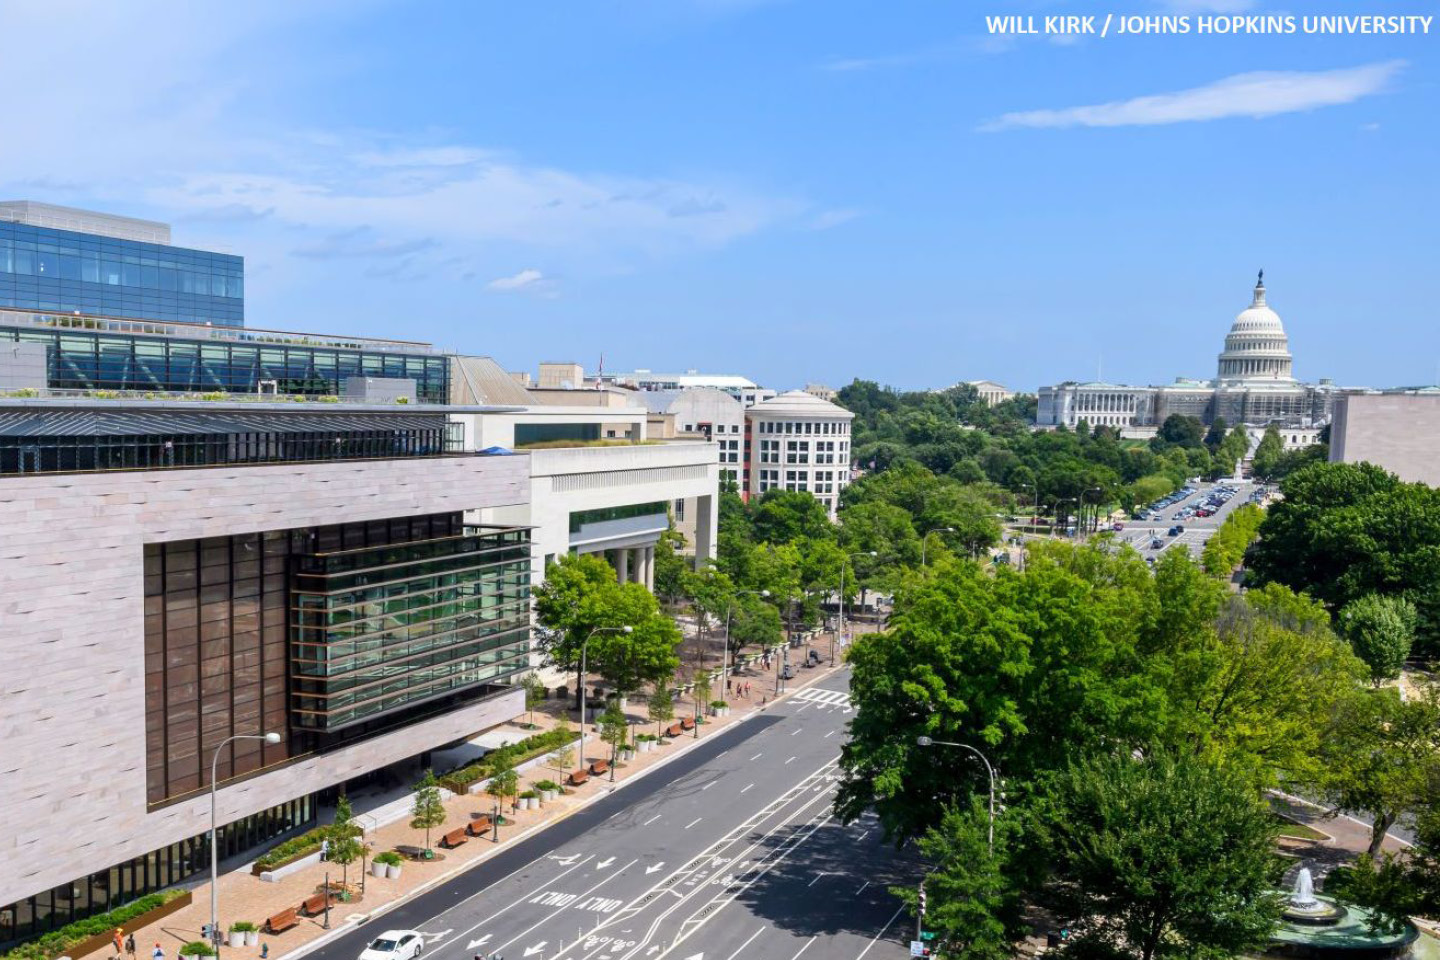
{"points": [[1254, 385]]}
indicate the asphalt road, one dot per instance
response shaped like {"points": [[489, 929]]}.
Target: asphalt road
{"points": [[1139, 533], [728, 852]]}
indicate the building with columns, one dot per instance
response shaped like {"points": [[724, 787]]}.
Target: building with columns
{"points": [[1254, 385]]}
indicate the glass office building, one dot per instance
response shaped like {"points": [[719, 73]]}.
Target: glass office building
{"points": [[58, 258], [103, 353]]}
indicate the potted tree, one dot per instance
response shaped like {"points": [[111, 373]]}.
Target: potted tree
{"points": [[662, 705], [345, 846], [702, 695], [196, 949], [534, 696], [428, 810]]}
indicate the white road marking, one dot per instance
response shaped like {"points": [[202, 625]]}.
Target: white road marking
{"points": [[554, 913], [817, 877], [707, 786], [862, 836], [804, 948], [693, 822], [791, 760], [747, 788], [796, 731], [514, 903], [756, 757], [652, 820], [745, 944], [882, 932], [862, 888], [828, 735]]}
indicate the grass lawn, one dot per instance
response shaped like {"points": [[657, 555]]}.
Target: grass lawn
{"points": [[1292, 828]]}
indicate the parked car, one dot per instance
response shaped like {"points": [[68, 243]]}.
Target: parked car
{"points": [[1157, 544], [395, 945], [1117, 526]]}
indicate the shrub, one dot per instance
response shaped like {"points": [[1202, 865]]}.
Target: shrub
{"points": [[301, 846], [57, 942], [506, 757], [242, 926], [719, 704], [390, 858], [529, 795], [197, 948], [546, 785]]}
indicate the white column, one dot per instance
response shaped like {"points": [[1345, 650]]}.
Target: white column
{"points": [[622, 565], [649, 568]]}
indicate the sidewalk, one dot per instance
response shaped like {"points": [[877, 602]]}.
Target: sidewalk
{"points": [[245, 897]]}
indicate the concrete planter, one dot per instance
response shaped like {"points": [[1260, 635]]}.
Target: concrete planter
{"points": [[292, 866], [719, 711], [252, 938], [237, 938], [392, 872], [546, 796], [377, 869]]}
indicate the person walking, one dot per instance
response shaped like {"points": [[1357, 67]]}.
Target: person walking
{"points": [[118, 939], [159, 953], [264, 950], [130, 945]]}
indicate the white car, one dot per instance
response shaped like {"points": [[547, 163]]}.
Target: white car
{"points": [[395, 945]]}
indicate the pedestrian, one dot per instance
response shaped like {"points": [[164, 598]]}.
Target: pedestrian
{"points": [[159, 953], [325, 849], [118, 939], [728, 684], [264, 950], [130, 945]]}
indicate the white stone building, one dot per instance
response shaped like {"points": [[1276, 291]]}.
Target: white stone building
{"points": [[798, 442]]}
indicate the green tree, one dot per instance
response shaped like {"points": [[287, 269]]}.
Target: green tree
{"points": [[345, 843], [1224, 551], [753, 622], [577, 596], [614, 728], [647, 653], [1161, 856], [505, 784], [702, 693], [1182, 431], [427, 810], [671, 566], [1381, 630], [563, 758], [781, 516], [1267, 454], [1215, 436], [662, 705], [534, 694], [973, 904], [1382, 757]]}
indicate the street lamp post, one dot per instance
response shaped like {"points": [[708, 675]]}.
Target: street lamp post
{"points": [[271, 738], [989, 770], [584, 650], [725, 654], [1096, 515], [925, 540], [841, 632]]}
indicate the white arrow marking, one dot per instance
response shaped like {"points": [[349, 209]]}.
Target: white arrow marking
{"points": [[531, 951], [604, 863], [696, 956], [655, 949], [477, 943], [565, 860], [432, 937], [650, 870]]}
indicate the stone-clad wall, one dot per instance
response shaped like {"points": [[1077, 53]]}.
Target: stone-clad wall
{"points": [[1400, 432], [72, 669]]}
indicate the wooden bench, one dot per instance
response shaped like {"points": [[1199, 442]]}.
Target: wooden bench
{"points": [[282, 921], [454, 838], [316, 904], [688, 723], [673, 730], [578, 777], [479, 826], [599, 767]]}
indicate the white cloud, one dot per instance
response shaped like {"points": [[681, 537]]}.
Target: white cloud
{"points": [[1209, 6], [828, 219], [1243, 95], [520, 281]]}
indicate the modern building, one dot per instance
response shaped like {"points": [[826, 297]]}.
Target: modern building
{"points": [[175, 573], [85, 352], [62, 260], [741, 388], [1399, 431], [822, 391], [598, 482], [797, 441], [1254, 385]]}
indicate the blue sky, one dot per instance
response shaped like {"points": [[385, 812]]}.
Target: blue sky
{"points": [[788, 189]]}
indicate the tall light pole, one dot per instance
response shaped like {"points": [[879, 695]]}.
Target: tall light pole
{"points": [[925, 540], [584, 650], [271, 738], [835, 639], [725, 654], [1096, 518], [989, 770]]}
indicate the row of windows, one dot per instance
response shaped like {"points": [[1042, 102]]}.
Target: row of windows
{"points": [[91, 268], [53, 239], [823, 427], [580, 518], [108, 889]]}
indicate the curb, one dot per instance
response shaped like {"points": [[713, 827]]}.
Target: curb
{"points": [[349, 925]]}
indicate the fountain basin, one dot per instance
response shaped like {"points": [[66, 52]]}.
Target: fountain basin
{"points": [[1349, 937]]}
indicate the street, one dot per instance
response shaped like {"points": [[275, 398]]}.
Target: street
{"points": [[1139, 533], [729, 851]]}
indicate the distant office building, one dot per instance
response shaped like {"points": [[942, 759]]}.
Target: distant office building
{"points": [[57, 259], [797, 441], [1399, 431], [822, 391], [741, 388], [1254, 385], [991, 392]]}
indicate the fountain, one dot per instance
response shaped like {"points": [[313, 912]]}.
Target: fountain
{"points": [[1315, 926]]}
